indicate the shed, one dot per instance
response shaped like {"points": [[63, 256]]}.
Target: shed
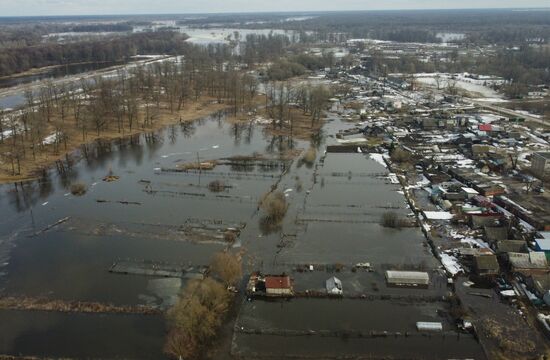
{"points": [[486, 265], [532, 260], [407, 278], [429, 326], [496, 233], [506, 246], [334, 286], [469, 192], [540, 283]]}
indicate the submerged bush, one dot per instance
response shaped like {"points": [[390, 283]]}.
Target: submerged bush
{"points": [[390, 219], [275, 206], [78, 188], [216, 186], [310, 156]]}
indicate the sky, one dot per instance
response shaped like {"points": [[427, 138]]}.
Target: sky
{"points": [[115, 7]]}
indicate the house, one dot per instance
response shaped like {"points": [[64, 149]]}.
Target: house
{"points": [[533, 209], [278, 285], [527, 261], [540, 164], [486, 265], [511, 246], [487, 219], [269, 285], [539, 283], [468, 193], [334, 286], [495, 233], [407, 278], [543, 245]]}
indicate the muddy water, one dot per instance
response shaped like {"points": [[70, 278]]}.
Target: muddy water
{"points": [[71, 261]]}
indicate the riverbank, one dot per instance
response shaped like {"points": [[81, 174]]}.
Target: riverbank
{"points": [[31, 167]]}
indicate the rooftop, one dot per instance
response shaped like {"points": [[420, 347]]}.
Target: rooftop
{"points": [[277, 282]]}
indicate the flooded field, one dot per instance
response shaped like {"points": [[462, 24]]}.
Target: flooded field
{"points": [[147, 215]]}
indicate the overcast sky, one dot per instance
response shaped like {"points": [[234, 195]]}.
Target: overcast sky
{"points": [[104, 7]]}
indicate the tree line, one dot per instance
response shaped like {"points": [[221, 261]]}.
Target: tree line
{"points": [[20, 59]]}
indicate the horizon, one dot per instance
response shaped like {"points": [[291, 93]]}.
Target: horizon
{"points": [[77, 8]]}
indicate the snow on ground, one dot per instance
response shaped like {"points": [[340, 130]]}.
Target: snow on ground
{"points": [[451, 264], [527, 113], [393, 178], [488, 118], [422, 183], [438, 215], [463, 82], [50, 139], [379, 158]]}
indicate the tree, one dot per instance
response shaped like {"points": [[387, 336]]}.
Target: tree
{"points": [[195, 318], [275, 206], [227, 267]]}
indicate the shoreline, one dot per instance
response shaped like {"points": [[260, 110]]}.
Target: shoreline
{"points": [[31, 168]]}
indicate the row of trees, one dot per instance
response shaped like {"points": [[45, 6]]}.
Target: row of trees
{"points": [[283, 97], [20, 59], [198, 314], [522, 67], [299, 64]]}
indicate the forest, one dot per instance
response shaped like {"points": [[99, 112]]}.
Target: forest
{"points": [[20, 59]]}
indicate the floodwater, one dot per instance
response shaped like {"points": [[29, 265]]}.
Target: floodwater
{"points": [[56, 335], [71, 261], [335, 220], [56, 72], [333, 217]]}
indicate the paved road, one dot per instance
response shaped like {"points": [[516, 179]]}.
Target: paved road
{"points": [[508, 112]]}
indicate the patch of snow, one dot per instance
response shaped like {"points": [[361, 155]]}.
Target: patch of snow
{"points": [[451, 264], [437, 215]]}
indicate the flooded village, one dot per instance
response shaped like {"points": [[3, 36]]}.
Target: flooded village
{"points": [[348, 212]]}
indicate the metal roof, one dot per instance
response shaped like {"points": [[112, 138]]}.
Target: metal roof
{"points": [[408, 275], [277, 282]]}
